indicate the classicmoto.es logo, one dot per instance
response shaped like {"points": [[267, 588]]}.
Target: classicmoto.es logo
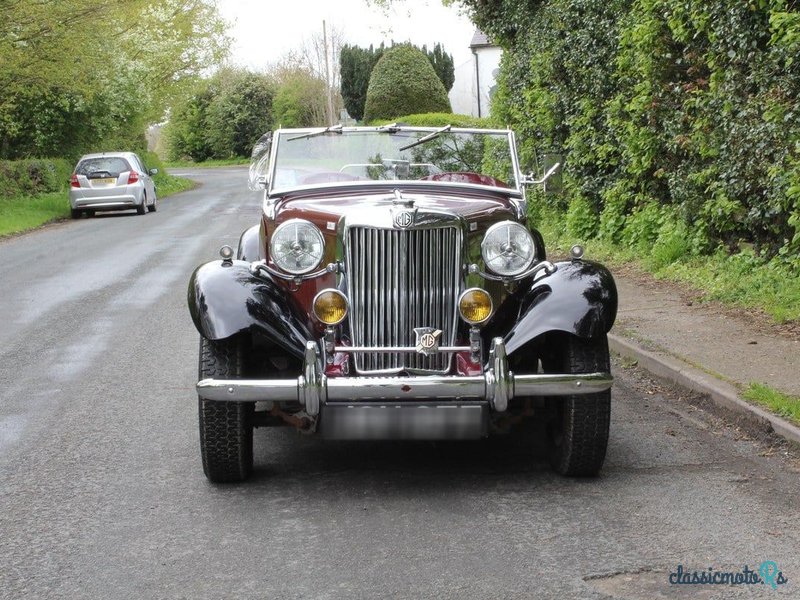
{"points": [[767, 573]]}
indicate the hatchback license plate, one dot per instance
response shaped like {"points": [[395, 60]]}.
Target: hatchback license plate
{"points": [[104, 181]]}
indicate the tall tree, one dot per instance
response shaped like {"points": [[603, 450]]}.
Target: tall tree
{"points": [[319, 55], [356, 66], [443, 65], [223, 118], [66, 85], [299, 100]]}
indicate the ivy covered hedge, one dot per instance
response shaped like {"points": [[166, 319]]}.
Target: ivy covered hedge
{"points": [[680, 119]]}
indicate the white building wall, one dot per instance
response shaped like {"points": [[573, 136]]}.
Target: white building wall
{"points": [[488, 68], [464, 95]]}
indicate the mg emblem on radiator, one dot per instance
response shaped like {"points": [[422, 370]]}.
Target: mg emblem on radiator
{"points": [[427, 340], [404, 219]]}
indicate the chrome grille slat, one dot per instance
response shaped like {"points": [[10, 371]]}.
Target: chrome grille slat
{"points": [[399, 280]]}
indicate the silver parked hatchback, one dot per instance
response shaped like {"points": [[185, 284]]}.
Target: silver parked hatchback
{"points": [[111, 181]]}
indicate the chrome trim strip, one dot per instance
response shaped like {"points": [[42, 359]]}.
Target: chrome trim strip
{"points": [[257, 266], [409, 185], [546, 266], [391, 349]]}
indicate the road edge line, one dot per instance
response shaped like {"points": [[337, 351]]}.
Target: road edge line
{"points": [[721, 393]]}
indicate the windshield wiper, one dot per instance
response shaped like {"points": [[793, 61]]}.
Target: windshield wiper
{"points": [[427, 138], [331, 129]]}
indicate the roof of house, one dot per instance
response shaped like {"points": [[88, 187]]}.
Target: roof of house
{"points": [[480, 39]]}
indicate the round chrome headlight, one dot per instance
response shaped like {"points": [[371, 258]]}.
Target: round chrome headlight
{"points": [[508, 249], [297, 246]]}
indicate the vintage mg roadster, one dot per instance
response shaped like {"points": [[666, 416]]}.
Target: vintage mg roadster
{"points": [[392, 290]]}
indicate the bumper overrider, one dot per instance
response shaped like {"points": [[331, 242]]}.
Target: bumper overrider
{"points": [[469, 397]]}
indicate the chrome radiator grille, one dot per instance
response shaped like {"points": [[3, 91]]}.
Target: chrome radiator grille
{"points": [[399, 280]]}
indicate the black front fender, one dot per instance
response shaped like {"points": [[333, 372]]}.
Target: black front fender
{"points": [[250, 244], [579, 298], [228, 299]]}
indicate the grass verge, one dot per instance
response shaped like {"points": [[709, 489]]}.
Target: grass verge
{"points": [[23, 213], [781, 404]]}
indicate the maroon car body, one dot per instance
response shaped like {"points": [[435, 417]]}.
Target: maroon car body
{"points": [[392, 289]]}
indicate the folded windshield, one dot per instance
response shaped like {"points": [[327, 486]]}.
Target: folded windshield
{"points": [[309, 157]]}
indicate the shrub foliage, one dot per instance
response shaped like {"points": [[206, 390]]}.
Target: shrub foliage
{"points": [[680, 119], [29, 177], [356, 66], [403, 82], [223, 118]]}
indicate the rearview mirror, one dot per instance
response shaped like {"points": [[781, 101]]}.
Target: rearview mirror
{"points": [[551, 172], [553, 163]]}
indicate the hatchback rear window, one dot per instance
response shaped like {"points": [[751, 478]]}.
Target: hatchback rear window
{"points": [[108, 166]]}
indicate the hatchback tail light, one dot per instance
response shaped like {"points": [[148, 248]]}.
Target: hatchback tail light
{"points": [[133, 177], [74, 181]]}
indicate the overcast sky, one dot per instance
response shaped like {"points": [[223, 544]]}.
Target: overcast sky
{"points": [[262, 31]]}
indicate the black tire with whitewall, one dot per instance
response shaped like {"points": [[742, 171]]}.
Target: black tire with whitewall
{"points": [[226, 428], [579, 424]]}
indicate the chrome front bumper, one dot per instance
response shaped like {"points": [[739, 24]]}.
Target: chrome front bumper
{"points": [[313, 389]]}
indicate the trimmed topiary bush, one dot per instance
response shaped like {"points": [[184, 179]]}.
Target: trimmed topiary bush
{"points": [[404, 83]]}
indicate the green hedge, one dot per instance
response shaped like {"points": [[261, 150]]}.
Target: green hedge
{"points": [[33, 176], [440, 120], [680, 119]]}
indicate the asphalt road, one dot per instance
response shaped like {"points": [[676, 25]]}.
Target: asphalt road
{"points": [[102, 494]]}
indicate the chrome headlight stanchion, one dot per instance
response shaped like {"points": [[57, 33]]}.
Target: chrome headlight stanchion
{"points": [[475, 345], [311, 385], [499, 380]]}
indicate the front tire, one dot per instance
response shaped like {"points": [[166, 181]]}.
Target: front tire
{"points": [[579, 425], [226, 428]]}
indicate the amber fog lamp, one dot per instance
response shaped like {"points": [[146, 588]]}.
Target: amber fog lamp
{"points": [[330, 307], [475, 306]]}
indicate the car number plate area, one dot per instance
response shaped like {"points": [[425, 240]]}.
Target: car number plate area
{"points": [[409, 421], [104, 182]]}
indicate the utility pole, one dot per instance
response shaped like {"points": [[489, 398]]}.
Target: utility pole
{"points": [[327, 75]]}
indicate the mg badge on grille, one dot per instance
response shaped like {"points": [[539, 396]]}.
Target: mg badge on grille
{"points": [[404, 219], [427, 340]]}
